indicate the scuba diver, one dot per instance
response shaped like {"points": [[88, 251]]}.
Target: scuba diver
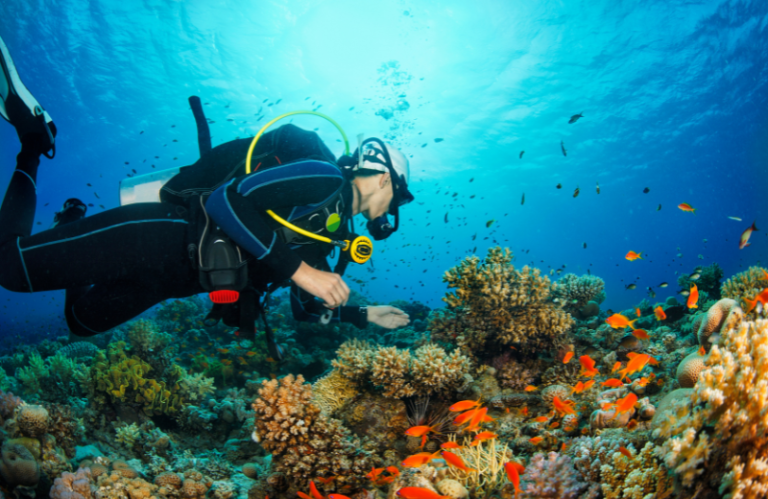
{"points": [[249, 217]]}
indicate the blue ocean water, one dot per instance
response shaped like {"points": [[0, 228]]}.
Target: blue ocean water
{"points": [[673, 95]]}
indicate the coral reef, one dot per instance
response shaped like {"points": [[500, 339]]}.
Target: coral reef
{"points": [[551, 477], [17, 465], [576, 292], [301, 439], [721, 428], [635, 477], [333, 391], [745, 284], [492, 304], [708, 281]]}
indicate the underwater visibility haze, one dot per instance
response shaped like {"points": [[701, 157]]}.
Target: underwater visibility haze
{"points": [[577, 263]]}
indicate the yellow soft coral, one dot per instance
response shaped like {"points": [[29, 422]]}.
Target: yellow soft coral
{"points": [[731, 396], [493, 301]]}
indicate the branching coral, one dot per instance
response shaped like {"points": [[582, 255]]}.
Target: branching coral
{"points": [[196, 387], [575, 292], [300, 438], [493, 302], [637, 477], [745, 284], [402, 374], [725, 413]]}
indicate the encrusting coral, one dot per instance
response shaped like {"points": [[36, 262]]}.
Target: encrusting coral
{"points": [[494, 303], [721, 428]]}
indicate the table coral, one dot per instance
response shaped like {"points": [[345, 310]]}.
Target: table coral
{"points": [[724, 416], [493, 302]]}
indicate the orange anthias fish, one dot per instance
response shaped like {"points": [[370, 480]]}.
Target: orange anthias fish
{"points": [[637, 311], [562, 407], [635, 364], [464, 405], [632, 256], [393, 470], [612, 383], [659, 313], [687, 207], [419, 493], [513, 474], [693, 298], [419, 459], [578, 388], [554, 425], [641, 334], [625, 404], [536, 440], [455, 461], [485, 435], [464, 417], [541, 419], [744, 239], [530, 388], [588, 366], [303, 495], [313, 490], [567, 357], [223, 350], [617, 321], [374, 473], [418, 431], [338, 496], [477, 419], [625, 451], [616, 367], [326, 481], [761, 298], [588, 384], [250, 353], [642, 381]]}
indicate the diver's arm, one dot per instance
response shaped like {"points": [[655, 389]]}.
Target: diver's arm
{"points": [[239, 208]]}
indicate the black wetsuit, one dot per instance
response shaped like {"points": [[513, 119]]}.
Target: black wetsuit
{"points": [[118, 263]]}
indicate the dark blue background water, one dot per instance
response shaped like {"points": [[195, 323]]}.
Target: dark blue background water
{"points": [[673, 94]]}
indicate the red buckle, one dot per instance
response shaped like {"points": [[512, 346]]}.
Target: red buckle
{"points": [[224, 296]]}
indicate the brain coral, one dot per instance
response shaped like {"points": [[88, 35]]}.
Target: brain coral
{"points": [[724, 314], [18, 466], [689, 369], [493, 302], [32, 420]]}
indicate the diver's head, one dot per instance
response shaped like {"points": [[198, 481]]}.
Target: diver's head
{"points": [[381, 175]]}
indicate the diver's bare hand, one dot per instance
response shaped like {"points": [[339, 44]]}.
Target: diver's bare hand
{"points": [[388, 317], [327, 286]]}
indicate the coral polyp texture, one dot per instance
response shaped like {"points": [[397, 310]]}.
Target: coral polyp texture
{"points": [[745, 285], [492, 303], [719, 433]]}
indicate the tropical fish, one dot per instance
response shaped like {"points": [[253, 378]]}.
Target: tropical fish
{"points": [[735, 218], [559, 186], [575, 118], [637, 311], [616, 367], [562, 148], [625, 451], [313, 490], [464, 417], [325, 481], [693, 298], [744, 239], [393, 470], [663, 285], [513, 474], [631, 286], [489, 223], [641, 334], [625, 404], [617, 321], [554, 425], [450, 445], [455, 461], [588, 366], [522, 202], [598, 187], [694, 277], [485, 435], [636, 364], [588, 384], [562, 407], [585, 245], [687, 207], [659, 208], [250, 353], [419, 459], [568, 357], [477, 418], [632, 424], [464, 405], [659, 313], [223, 351], [762, 298], [646, 190], [419, 493], [642, 381], [418, 431], [535, 440], [303, 495], [632, 256], [338, 496], [541, 419], [530, 388], [576, 192], [612, 383]]}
